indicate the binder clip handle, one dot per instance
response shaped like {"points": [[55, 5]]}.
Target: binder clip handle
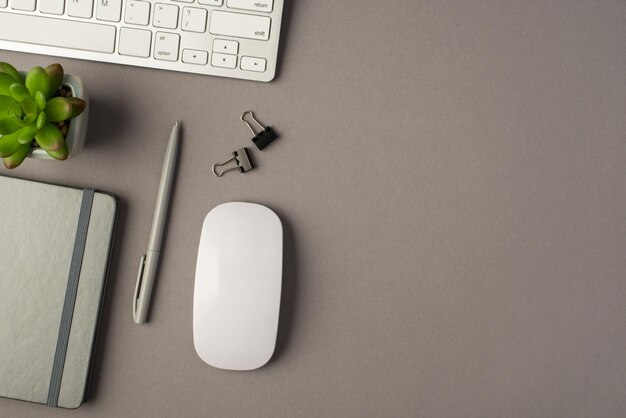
{"points": [[243, 163], [251, 113], [264, 136]]}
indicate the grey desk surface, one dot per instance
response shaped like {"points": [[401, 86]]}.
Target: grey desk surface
{"points": [[452, 180]]}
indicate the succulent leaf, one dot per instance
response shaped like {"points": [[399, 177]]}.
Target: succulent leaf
{"points": [[30, 118], [5, 83], [40, 100], [6, 102], [41, 120], [19, 92], [28, 105], [55, 74], [58, 109], [26, 134], [17, 158], [60, 154], [9, 144], [37, 80], [78, 106], [7, 68], [9, 124], [50, 137]]}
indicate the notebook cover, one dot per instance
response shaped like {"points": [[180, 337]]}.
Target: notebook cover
{"points": [[38, 224]]}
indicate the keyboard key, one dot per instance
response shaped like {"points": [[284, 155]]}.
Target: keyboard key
{"points": [[224, 60], [240, 25], [137, 12], [211, 2], [165, 16], [57, 32], [253, 64], [166, 46], [135, 42], [194, 19], [195, 56], [225, 47], [254, 5], [80, 8], [3, 4], [184, 1], [27, 5], [109, 10], [53, 7]]}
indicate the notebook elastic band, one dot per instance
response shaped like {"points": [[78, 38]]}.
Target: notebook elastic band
{"points": [[70, 298]]}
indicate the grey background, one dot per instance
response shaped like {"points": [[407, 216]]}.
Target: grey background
{"points": [[452, 180]]}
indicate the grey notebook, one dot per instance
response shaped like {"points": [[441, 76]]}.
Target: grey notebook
{"points": [[55, 244]]}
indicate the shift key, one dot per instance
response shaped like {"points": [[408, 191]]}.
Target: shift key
{"points": [[240, 25]]}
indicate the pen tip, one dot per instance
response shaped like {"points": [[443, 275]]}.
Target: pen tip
{"points": [[177, 122]]}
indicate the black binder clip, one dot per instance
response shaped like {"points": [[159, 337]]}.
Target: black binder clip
{"points": [[242, 161], [264, 137]]}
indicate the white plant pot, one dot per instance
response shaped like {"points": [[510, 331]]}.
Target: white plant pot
{"points": [[75, 138]]}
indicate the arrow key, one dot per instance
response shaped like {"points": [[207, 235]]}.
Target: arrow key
{"points": [[225, 47], [224, 60], [195, 56], [253, 64]]}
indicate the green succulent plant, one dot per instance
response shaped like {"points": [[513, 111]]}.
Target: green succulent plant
{"points": [[30, 110]]}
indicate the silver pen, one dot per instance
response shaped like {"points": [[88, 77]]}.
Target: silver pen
{"points": [[150, 260]]}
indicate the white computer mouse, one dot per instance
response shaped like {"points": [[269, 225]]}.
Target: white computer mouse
{"points": [[236, 296]]}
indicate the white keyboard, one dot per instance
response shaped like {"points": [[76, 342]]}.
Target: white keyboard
{"points": [[228, 38]]}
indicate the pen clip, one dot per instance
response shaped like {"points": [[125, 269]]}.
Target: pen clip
{"points": [[142, 264]]}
